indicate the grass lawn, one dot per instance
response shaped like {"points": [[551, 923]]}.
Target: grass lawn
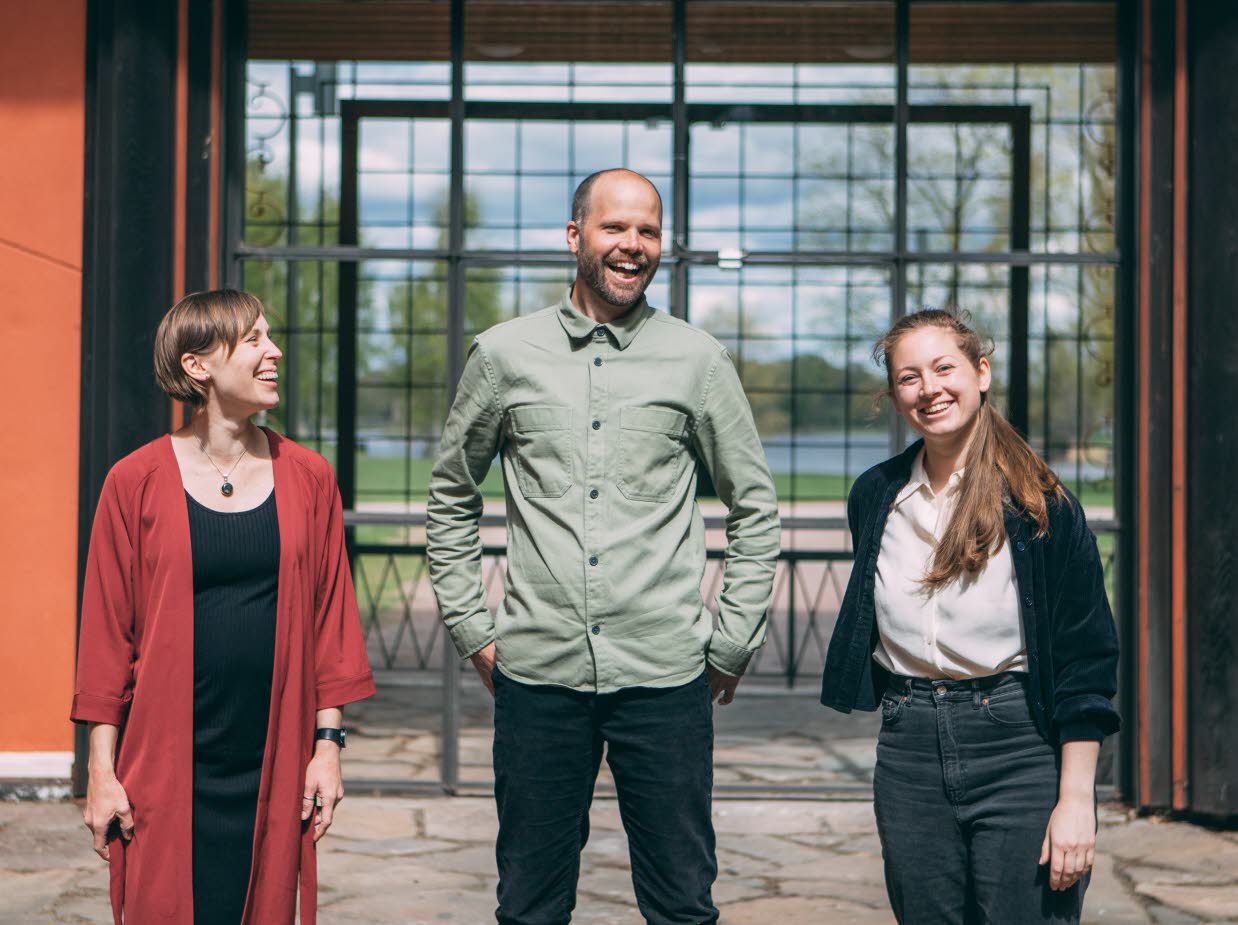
{"points": [[385, 478]]}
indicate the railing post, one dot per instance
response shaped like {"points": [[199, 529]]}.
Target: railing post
{"points": [[791, 659], [449, 748]]}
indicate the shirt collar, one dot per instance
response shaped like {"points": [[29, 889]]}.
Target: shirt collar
{"points": [[623, 329], [919, 481]]}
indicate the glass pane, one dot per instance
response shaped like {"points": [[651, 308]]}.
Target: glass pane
{"points": [[293, 106], [792, 186], [494, 294], [1071, 378], [1013, 58], [800, 338], [959, 189], [300, 303], [401, 198], [520, 175]]}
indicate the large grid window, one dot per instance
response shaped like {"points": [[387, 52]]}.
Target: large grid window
{"points": [[804, 210]]}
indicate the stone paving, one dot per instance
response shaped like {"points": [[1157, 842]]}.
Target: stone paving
{"points": [[430, 860], [767, 737], [427, 861]]}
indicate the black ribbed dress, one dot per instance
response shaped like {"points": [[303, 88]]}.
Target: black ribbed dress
{"points": [[235, 583]]}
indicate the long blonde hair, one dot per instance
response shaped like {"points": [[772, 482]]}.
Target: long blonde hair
{"points": [[1002, 469]]}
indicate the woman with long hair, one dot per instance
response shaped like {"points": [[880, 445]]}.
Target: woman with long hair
{"points": [[976, 618], [219, 640]]}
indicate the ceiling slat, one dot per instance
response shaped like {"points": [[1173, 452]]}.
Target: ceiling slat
{"points": [[718, 31]]}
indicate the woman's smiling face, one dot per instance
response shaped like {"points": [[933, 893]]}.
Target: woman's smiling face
{"points": [[247, 378], [935, 387]]}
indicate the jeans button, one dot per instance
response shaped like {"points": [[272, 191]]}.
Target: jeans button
{"points": [[941, 690]]}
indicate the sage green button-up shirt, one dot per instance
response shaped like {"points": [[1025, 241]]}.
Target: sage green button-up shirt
{"points": [[600, 429]]}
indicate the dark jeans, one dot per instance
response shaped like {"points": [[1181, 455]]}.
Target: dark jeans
{"points": [[547, 750], [963, 790]]}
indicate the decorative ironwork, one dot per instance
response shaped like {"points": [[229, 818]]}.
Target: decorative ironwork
{"points": [[264, 106], [266, 117], [404, 631]]}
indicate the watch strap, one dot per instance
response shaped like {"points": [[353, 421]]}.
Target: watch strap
{"points": [[333, 735]]}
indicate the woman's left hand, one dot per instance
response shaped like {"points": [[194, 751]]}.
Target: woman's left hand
{"points": [[323, 784], [1070, 842]]}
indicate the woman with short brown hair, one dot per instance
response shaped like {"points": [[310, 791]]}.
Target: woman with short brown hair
{"points": [[219, 640]]}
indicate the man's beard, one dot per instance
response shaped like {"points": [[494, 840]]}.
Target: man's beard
{"points": [[593, 269]]}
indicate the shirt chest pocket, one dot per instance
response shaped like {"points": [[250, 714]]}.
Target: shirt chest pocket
{"points": [[541, 447], [650, 452]]}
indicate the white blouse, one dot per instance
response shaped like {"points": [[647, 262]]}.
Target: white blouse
{"points": [[972, 627]]}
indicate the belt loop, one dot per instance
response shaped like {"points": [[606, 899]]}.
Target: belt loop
{"points": [[975, 693]]}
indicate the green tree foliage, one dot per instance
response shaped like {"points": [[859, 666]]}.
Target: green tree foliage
{"points": [[303, 314], [406, 348]]}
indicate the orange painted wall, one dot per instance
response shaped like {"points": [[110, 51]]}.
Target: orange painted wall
{"points": [[42, 113]]}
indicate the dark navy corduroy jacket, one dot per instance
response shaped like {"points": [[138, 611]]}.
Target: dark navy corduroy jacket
{"points": [[1072, 643]]}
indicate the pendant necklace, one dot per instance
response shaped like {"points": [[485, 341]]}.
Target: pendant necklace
{"points": [[226, 488]]}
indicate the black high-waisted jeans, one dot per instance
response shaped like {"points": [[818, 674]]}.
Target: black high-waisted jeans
{"points": [[547, 750], [963, 790]]}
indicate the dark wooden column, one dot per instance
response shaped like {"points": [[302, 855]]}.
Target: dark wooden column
{"points": [[1212, 389], [1152, 722], [127, 239]]}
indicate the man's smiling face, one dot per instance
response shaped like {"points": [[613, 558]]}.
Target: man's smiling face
{"points": [[618, 245]]}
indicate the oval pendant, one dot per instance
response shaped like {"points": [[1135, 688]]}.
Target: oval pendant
{"points": [[226, 489]]}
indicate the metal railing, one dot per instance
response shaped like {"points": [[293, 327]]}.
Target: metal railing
{"points": [[408, 645]]}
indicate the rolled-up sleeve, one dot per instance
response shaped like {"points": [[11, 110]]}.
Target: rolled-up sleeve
{"points": [[104, 684], [341, 666], [726, 441], [453, 512]]}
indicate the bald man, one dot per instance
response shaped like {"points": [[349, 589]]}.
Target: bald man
{"points": [[602, 411]]}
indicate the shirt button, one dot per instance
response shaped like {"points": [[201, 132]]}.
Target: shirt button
{"points": [[596, 629], [597, 425], [593, 493], [593, 560], [597, 361]]}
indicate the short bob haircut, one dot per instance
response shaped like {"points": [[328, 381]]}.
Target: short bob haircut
{"points": [[199, 323]]}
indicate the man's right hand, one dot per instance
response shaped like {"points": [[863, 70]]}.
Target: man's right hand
{"points": [[483, 661]]}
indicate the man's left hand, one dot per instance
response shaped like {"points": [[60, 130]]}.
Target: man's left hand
{"points": [[721, 686]]}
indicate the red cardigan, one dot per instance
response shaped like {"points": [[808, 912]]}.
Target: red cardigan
{"points": [[135, 671]]}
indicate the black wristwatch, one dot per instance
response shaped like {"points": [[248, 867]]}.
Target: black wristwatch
{"points": [[332, 735]]}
